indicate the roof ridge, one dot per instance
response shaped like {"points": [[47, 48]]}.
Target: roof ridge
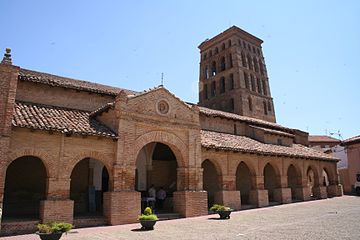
{"points": [[51, 106]]}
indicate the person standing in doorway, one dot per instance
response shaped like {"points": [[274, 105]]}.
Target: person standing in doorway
{"points": [[160, 197]]}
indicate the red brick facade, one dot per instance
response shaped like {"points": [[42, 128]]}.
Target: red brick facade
{"points": [[115, 131]]}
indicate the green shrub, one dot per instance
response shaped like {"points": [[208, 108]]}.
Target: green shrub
{"points": [[218, 207], [54, 227], [147, 211], [148, 217]]}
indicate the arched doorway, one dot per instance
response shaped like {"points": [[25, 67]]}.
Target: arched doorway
{"points": [[325, 181], [293, 182], [89, 180], [210, 181], [270, 181], [243, 183], [312, 181], [25, 187], [156, 165]]}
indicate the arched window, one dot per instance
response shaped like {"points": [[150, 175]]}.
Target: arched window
{"points": [[206, 92], [243, 59], [261, 68], [222, 85], [231, 82], [206, 72], [249, 48], [216, 50], [210, 53], [253, 48], [256, 65], [264, 87], [213, 89], [265, 109], [246, 79], [269, 106], [229, 43], [258, 85], [204, 56], [230, 61], [232, 105], [249, 62], [223, 46], [250, 103], [253, 87], [213, 68], [222, 64]]}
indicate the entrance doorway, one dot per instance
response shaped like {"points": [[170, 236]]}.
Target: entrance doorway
{"points": [[156, 167]]}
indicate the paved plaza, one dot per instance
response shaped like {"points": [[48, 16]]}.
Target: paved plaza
{"points": [[336, 218]]}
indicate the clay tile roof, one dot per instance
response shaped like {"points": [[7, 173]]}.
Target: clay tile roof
{"points": [[322, 138], [57, 81], [276, 132], [253, 121], [64, 120], [352, 140], [101, 109], [228, 142]]}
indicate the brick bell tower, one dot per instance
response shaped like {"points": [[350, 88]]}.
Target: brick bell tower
{"points": [[233, 75]]}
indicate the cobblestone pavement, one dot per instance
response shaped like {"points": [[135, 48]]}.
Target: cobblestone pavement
{"points": [[336, 218]]}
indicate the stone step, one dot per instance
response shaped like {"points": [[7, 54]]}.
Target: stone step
{"points": [[89, 221]]}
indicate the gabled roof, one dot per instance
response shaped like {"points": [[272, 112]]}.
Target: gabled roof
{"points": [[58, 119], [352, 140], [323, 138], [229, 142], [57, 81]]}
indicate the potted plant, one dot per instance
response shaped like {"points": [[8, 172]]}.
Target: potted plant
{"points": [[223, 211], [53, 231], [148, 219]]}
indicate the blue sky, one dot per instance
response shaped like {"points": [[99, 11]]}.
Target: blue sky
{"points": [[311, 48]]}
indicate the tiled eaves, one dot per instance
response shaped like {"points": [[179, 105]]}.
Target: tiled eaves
{"points": [[58, 81], [235, 143], [58, 119]]}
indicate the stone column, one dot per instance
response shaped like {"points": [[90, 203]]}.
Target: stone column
{"points": [[282, 194], [258, 196], [57, 207], [228, 196], [123, 204], [189, 201]]}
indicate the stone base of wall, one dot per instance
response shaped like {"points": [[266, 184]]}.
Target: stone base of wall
{"points": [[282, 195], [190, 203], [57, 211], [122, 207], [229, 199], [259, 198], [335, 190], [302, 193], [320, 192], [18, 226]]}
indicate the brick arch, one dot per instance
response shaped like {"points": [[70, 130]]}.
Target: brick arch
{"points": [[273, 165], [330, 174], [178, 147], [103, 158], [316, 173], [297, 169], [216, 165], [249, 166], [44, 156]]}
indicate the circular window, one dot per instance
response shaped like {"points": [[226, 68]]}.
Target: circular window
{"points": [[163, 107]]}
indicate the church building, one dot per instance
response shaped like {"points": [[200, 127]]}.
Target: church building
{"points": [[86, 153]]}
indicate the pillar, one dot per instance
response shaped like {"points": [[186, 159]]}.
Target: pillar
{"points": [[228, 195], [258, 196], [282, 194], [320, 192], [57, 207], [335, 190]]}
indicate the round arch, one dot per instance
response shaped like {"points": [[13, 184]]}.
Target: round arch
{"points": [[217, 166], [294, 180], [24, 187], [312, 176], [244, 181], [271, 181], [211, 179], [176, 145]]}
